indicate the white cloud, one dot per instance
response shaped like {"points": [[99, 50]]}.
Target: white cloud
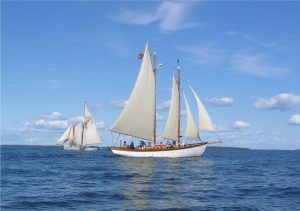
{"points": [[283, 101], [100, 125], [231, 33], [295, 119], [204, 54], [257, 65], [118, 103], [159, 117], [98, 106], [171, 16], [55, 84], [42, 124], [223, 101], [241, 124], [164, 105], [54, 115]]}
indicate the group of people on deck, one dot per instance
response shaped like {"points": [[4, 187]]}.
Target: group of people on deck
{"points": [[143, 145]]}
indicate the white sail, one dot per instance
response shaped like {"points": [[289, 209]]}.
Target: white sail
{"points": [[78, 134], [191, 131], [171, 129], [66, 136], [137, 117], [90, 133], [87, 116], [205, 122]]}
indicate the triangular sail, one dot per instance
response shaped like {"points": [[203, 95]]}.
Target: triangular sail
{"points": [[191, 131], [205, 122], [171, 129], [87, 116], [90, 133], [137, 117], [67, 136]]}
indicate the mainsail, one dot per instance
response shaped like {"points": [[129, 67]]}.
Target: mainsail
{"points": [[138, 116], [89, 129], [78, 134], [205, 122], [90, 133], [171, 129], [191, 131]]}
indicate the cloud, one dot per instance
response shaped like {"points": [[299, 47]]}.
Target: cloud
{"points": [[100, 125], [241, 124], [159, 117], [236, 125], [295, 119], [171, 16], [98, 107], [55, 84], [42, 124], [231, 33], [223, 101], [283, 101], [164, 105], [118, 104], [257, 65], [54, 115], [204, 54]]}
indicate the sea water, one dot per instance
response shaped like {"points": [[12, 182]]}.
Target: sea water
{"points": [[50, 178]]}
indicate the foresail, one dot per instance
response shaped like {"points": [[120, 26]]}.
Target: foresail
{"points": [[91, 135], [137, 117], [171, 129], [65, 136], [205, 122], [191, 131]]}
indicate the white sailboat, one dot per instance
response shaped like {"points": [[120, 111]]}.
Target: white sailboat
{"points": [[138, 118], [81, 136]]}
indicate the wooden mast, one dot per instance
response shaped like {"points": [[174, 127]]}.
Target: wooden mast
{"points": [[178, 82], [154, 71]]}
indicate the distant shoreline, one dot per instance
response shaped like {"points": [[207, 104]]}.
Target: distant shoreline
{"points": [[106, 147]]}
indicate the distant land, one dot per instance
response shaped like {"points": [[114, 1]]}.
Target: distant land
{"points": [[106, 147]]}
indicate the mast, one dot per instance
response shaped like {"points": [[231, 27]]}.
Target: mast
{"points": [[178, 81], [82, 135], [154, 71]]}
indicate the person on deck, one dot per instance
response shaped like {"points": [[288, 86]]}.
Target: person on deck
{"points": [[132, 145]]}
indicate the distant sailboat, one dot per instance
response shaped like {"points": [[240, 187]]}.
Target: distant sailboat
{"points": [[81, 136], [138, 118]]}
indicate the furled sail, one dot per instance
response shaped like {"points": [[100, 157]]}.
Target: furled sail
{"points": [[171, 129], [90, 133], [137, 117], [191, 131], [205, 122]]}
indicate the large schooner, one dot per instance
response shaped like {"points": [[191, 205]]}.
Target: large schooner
{"points": [[83, 135], [138, 118]]}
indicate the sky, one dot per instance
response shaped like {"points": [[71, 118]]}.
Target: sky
{"points": [[242, 58]]}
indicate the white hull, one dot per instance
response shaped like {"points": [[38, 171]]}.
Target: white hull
{"points": [[76, 148], [174, 153]]}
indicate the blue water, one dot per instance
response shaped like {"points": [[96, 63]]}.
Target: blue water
{"points": [[49, 178]]}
